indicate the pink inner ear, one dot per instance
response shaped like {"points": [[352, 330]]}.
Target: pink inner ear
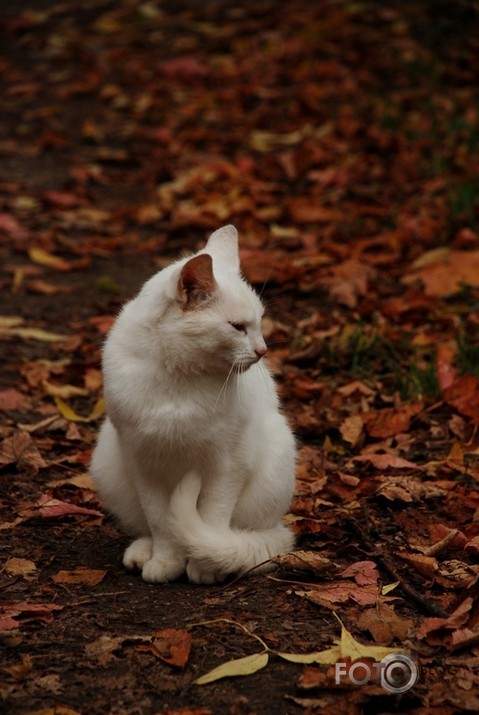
{"points": [[197, 282]]}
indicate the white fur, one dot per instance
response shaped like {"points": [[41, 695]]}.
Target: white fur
{"points": [[194, 458]]}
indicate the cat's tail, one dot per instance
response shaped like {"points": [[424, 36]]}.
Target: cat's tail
{"points": [[215, 552]]}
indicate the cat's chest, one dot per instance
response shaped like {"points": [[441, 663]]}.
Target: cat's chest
{"points": [[186, 421]]}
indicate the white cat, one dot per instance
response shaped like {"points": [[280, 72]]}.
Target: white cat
{"points": [[195, 458]]}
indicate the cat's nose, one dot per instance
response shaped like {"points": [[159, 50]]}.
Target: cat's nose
{"points": [[260, 350]]}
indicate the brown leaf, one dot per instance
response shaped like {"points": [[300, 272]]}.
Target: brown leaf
{"points": [[306, 561], [384, 624], [352, 429], [409, 489], [20, 449], [342, 592], [390, 420], [349, 281], [464, 396], [438, 630], [446, 272], [103, 649], [385, 461], [425, 565], [82, 575]]}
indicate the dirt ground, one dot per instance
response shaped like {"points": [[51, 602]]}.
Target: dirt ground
{"points": [[341, 138]]}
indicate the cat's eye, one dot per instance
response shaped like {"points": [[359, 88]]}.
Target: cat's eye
{"points": [[240, 327]]}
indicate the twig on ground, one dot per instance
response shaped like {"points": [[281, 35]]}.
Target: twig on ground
{"points": [[386, 561]]}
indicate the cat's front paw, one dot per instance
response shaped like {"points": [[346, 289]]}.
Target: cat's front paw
{"points": [[138, 553], [199, 571], [161, 570]]}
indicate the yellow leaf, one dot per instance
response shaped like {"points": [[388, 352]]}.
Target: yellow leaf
{"points": [[389, 587], [20, 567], [430, 257], [325, 657], [10, 321], [67, 412], [43, 258], [98, 410], [70, 414], [63, 391], [33, 334], [242, 666]]}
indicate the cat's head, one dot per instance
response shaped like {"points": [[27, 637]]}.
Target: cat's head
{"points": [[213, 320]]}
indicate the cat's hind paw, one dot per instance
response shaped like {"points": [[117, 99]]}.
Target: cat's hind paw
{"points": [[138, 553], [200, 572], [161, 570]]}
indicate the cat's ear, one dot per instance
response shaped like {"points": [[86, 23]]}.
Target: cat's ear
{"points": [[223, 244], [196, 283]]}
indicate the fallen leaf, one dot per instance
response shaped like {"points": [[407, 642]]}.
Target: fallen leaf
{"points": [[385, 461], [44, 288], [70, 414], [330, 594], [12, 399], [425, 565], [20, 567], [103, 648], [81, 575], [352, 429], [63, 391], [12, 615], [306, 561], [49, 508], [349, 281], [438, 631], [232, 668], [20, 449], [32, 334], [447, 273], [384, 624], [390, 420], [463, 395], [364, 572], [173, 646], [43, 258]]}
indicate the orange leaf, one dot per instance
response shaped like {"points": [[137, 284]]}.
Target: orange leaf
{"points": [[83, 575], [173, 645]]}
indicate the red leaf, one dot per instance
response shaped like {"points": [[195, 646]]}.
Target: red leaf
{"points": [[12, 399], [363, 572], [185, 68], [9, 612], [49, 508]]}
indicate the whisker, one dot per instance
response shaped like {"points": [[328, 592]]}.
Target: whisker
{"points": [[223, 388], [266, 281]]}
